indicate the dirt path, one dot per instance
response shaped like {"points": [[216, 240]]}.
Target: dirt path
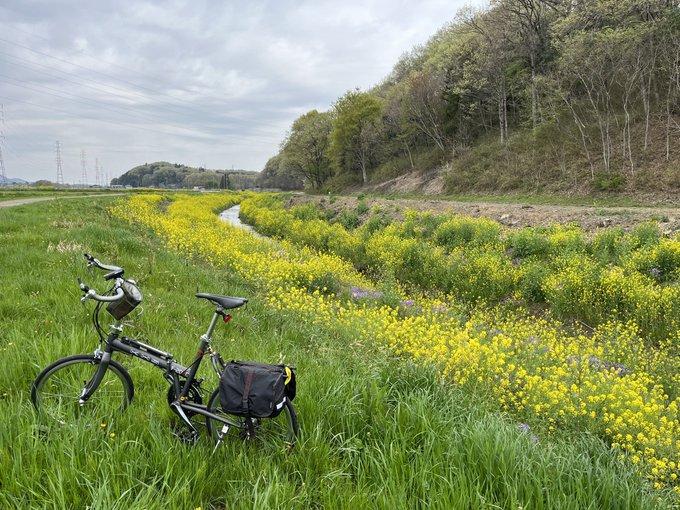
{"points": [[519, 215]]}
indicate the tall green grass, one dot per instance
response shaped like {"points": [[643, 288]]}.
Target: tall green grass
{"points": [[377, 432]]}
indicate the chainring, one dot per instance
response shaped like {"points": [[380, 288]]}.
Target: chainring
{"points": [[193, 396]]}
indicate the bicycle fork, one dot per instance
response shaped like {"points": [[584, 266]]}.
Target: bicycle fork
{"points": [[92, 385]]}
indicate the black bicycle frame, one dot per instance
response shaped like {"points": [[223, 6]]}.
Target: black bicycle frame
{"points": [[163, 360]]}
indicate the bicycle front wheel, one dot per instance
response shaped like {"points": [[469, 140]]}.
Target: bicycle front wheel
{"points": [[56, 391], [282, 430]]}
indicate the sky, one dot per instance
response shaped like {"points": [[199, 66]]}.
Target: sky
{"points": [[212, 83]]}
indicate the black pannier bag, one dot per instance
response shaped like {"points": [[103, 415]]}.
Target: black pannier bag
{"points": [[256, 390]]}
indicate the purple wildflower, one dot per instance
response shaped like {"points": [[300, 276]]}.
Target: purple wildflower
{"points": [[358, 293], [523, 427], [655, 272], [618, 368], [408, 303]]}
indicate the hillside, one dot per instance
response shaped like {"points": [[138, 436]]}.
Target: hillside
{"points": [[173, 175], [526, 96]]}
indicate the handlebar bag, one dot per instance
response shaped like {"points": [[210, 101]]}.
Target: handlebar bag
{"points": [[128, 302], [255, 390]]}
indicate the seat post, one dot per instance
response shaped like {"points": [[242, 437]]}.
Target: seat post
{"points": [[213, 323]]}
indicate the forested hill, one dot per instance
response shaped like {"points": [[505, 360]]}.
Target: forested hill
{"points": [[173, 175], [531, 95]]}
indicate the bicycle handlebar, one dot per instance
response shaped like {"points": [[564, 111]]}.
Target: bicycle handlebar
{"points": [[91, 294], [116, 272]]}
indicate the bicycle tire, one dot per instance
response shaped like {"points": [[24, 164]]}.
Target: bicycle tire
{"points": [[283, 429], [56, 390]]}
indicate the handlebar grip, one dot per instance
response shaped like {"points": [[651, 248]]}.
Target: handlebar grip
{"points": [[115, 271], [82, 286], [91, 294]]}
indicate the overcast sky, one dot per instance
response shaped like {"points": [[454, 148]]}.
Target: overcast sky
{"points": [[215, 83]]}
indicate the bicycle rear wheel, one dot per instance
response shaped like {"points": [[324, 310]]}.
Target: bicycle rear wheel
{"points": [[282, 429], [56, 391]]}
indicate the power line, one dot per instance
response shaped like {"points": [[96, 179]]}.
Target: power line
{"points": [[136, 85]]}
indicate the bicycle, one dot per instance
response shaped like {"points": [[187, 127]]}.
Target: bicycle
{"points": [[99, 386]]}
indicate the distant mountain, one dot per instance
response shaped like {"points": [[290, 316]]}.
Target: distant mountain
{"points": [[162, 174], [8, 181]]}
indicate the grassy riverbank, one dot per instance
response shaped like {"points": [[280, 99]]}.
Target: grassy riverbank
{"points": [[377, 431]]}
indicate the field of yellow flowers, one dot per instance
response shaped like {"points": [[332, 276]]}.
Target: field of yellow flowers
{"points": [[452, 292]]}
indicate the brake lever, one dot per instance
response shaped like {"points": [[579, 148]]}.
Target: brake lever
{"points": [[90, 293], [82, 286]]}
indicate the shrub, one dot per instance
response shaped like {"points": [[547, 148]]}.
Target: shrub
{"points": [[460, 231], [608, 181], [377, 221], [645, 234], [348, 219], [480, 275], [564, 240], [610, 245], [528, 242], [307, 212], [531, 280], [660, 262]]}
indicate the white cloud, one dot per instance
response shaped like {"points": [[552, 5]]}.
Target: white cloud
{"points": [[208, 82]]}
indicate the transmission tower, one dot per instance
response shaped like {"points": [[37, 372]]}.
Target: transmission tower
{"points": [[3, 174], [57, 158], [96, 171], [83, 163]]}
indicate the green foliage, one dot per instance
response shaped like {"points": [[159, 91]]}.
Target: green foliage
{"points": [[274, 175], [362, 207], [354, 132], [376, 431], [610, 245], [612, 275], [348, 219], [463, 231], [173, 175], [608, 181], [305, 150], [378, 220], [525, 96], [528, 242]]}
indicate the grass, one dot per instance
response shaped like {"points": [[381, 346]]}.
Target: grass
{"points": [[377, 432]]}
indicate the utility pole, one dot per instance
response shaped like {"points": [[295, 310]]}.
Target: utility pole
{"points": [[60, 173], [83, 163], [3, 174]]}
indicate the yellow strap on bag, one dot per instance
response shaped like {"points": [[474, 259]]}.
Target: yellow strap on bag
{"points": [[289, 375]]}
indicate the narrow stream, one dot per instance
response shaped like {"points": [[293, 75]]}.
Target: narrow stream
{"points": [[231, 216]]}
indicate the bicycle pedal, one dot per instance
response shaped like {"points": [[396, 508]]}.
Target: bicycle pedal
{"points": [[186, 436]]}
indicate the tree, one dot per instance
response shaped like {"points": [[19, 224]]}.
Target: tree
{"points": [[356, 132], [425, 105], [305, 150]]}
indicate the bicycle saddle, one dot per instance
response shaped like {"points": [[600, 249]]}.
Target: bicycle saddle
{"points": [[225, 302]]}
